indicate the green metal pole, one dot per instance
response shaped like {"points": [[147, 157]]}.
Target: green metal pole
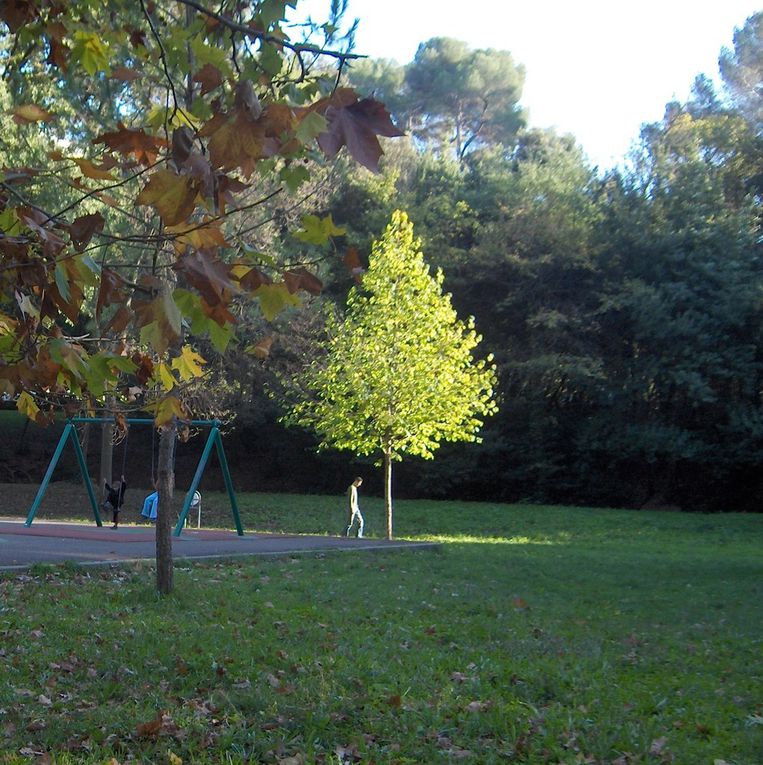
{"points": [[86, 477], [195, 483], [48, 474], [228, 481]]}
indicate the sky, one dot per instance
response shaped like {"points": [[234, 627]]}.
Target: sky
{"points": [[595, 68]]}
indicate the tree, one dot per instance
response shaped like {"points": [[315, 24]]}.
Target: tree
{"points": [[465, 97], [399, 375], [134, 242], [742, 70]]}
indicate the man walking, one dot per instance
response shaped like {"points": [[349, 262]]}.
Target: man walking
{"points": [[353, 509]]}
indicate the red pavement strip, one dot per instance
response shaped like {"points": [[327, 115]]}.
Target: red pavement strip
{"points": [[55, 542]]}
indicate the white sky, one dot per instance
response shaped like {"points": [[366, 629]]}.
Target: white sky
{"points": [[595, 68]]}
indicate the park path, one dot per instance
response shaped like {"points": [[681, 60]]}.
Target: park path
{"points": [[59, 542]]}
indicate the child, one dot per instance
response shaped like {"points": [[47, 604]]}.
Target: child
{"points": [[150, 505], [115, 497]]}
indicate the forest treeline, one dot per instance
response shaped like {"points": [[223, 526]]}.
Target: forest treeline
{"points": [[623, 306]]}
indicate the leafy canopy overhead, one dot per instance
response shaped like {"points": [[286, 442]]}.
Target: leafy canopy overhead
{"points": [[165, 125]]}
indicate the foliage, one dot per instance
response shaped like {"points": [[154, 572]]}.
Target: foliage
{"points": [[200, 100], [742, 70], [646, 647], [399, 376]]}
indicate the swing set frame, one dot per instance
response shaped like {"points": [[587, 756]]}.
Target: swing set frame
{"points": [[213, 439]]}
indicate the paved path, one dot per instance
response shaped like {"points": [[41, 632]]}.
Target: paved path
{"points": [[48, 542]]}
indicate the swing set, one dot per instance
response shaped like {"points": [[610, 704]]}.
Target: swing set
{"points": [[213, 439]]}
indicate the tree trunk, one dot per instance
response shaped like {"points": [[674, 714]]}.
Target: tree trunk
{"points": [[165, 487], [388, 491], [107, 454]]}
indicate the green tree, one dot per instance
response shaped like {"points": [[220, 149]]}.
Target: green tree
{"points": [[399, 375], [742, 70], [464, 97]]}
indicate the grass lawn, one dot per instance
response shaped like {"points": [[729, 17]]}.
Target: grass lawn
{"points": [[535, 634]]}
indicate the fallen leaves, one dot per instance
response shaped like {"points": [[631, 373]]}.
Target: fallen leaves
{"points": [[161, 725]]}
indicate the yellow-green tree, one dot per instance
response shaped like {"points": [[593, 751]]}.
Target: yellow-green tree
{"points": [[400, 375]]}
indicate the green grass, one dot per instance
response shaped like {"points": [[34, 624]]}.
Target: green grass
{"points": [[534, 634]]}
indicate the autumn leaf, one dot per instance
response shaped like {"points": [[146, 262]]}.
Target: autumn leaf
{"points": [[111, 290], [237, 143], [29, 113], [356, 125], [168, 408], [164, 377], [90, 170], [125, 74], [188, 364], [209, 275], [173, 195], [144, 147], [27, 406], [251, 278], [159, 320], [352, 261], [198, 236], [83, 228], [261, 350], [209, 77], [301, 279], [18, 14]]}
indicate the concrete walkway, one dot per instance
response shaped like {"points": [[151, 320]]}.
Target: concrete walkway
{"points": [[56, 542]]}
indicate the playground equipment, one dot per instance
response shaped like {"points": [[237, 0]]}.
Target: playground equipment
{"points": [[213, 439]]}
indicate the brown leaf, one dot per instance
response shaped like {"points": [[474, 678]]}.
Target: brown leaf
{"points": [[657, 746], [19, 13], [301, 279], [120, 320], [173, 195], [144, 147], [83, 228], [237, 143], [356, 125], [152, 728], [395, 701], [209, 275], [262, 349], [182, 145], [209, 77], [478, 706], [520, 603], [352, 261], [254, 279], [58, 52], [90, 170], [29, 113], [111, 290], [125, 74]]}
